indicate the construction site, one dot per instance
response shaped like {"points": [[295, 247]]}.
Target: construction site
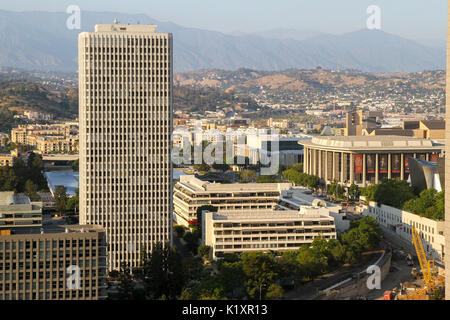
{"points": [[427, 279]]}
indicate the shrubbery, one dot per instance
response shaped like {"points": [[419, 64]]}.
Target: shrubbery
{"points": [[252, 275], [429, 204], [391, 192], [302, 179]]}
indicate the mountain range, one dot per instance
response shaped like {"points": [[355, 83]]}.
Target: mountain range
{"points": [[36, 40]]}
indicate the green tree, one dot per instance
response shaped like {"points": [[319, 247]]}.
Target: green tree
{"points": [[364, 235], [76, 165], [204, 251], [163, 272], [288, 268], [297, 166], [354, 192], [60, 196], [311, 262], [192, 239], [209, 288], [193, 269], [232, 278], [125, 288], [429, 204], [31, 190], [261, 271], [179, 230], [73, 204], [369, 192], [8, 180], [312, 182], [247, 176], [222, 167], [336, 190], [267, 179], [393, 193], [274, 292]]}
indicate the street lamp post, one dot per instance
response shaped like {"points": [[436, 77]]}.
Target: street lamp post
{"points": [[260, 289]]}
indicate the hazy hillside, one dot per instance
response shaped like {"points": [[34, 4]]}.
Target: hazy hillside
{"points": [[321, 86], [25, 95], [40, 40], [294, 80]]}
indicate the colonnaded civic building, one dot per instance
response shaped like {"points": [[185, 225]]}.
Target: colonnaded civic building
{"points": [[365, 159]]}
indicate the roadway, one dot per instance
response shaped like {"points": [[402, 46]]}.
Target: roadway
{"points": [[181, 247], [310, 290]]}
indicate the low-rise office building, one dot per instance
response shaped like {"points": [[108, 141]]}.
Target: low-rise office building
{"points": [[264, 230], [365, 159], [424, 129], [17, 211], [400, 223], [297, 197], [41, 258], [190, 193], [54, 263]]}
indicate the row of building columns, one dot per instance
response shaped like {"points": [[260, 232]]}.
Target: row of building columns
{"points": [[313, 165]]}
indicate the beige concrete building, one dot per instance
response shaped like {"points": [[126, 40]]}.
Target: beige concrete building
{"points": [[359, 120], [6, 159], [47, 144], [43, 259], [17, 211], [430, 129], [252, 230], [400, 222], [298, 197], [125, 101], [424, 129], [19, 135], [365, 159], [54, 263], [190, 193], [61, 137]]}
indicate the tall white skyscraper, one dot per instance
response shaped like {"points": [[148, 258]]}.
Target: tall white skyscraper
{"points": [[125, 114]]}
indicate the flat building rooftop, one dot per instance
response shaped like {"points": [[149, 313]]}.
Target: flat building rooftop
{"points": [[372, 143], [305, 212], [197, 185], [125, 28]]}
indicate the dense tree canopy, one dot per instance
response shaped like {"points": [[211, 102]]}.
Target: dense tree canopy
{"points": [[61, 199], [267, 179], [15, 178], [336, 190], [302, 179], [391, 192], [252, 275], [429, 204], [247, 176]]}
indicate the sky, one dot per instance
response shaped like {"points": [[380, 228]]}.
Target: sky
{"points": [[413, 19]]}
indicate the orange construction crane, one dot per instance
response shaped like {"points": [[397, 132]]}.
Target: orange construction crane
{"points": [[432, 281], [426, 266]]}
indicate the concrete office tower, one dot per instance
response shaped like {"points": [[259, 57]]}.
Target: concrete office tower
{"points": [[358, 120], [447, 172], [125, 99]]}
